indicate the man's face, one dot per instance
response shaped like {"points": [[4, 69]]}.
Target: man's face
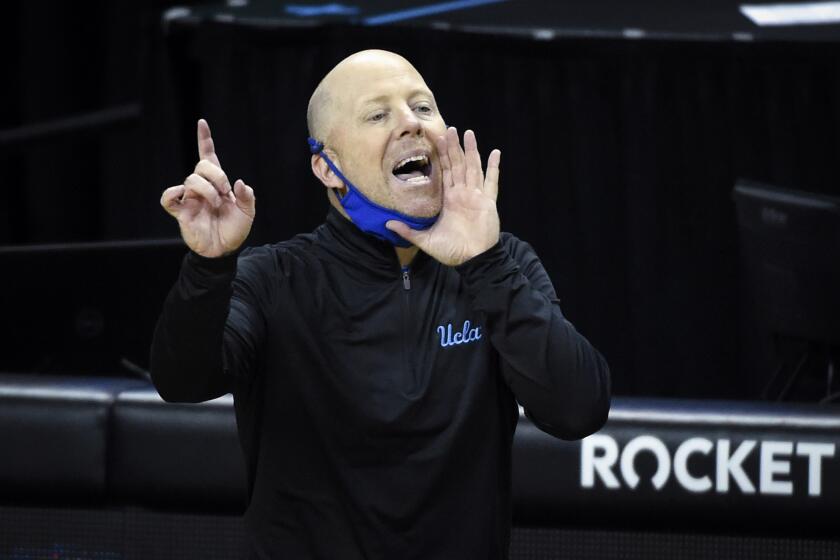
{"points": [[383, 132]]}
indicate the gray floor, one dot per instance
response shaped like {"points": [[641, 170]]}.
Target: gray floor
{"points": [[128, 534]]}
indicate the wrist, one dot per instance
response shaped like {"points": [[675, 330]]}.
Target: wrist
{"points": [[221, 263]]}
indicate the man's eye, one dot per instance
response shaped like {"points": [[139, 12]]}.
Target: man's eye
{"points": [[425, 109], [377, 116]]}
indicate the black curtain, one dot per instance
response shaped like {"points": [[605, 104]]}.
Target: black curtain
{"points": [[69, 60], [618, 161]]}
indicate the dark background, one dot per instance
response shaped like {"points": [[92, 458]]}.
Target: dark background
{"points": [[619, 155]]}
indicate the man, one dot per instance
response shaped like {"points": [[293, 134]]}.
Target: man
{"points": [[375, 367]]}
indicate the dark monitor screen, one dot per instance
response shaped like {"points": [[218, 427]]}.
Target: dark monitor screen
{"points": [[87, 308], [790, 248]]}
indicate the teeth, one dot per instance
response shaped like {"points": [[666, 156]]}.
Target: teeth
{"points": [[424, 159], [422, 179]]}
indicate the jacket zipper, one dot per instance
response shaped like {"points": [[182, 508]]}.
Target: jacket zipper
{"points": [[406, 278], [406, 320]]}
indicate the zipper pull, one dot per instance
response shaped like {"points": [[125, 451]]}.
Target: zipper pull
{"points": [[406, 279]]}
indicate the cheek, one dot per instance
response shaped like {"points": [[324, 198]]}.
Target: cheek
{"points": [[368, 172], [437, 128], [364, 161], [369, 155]]}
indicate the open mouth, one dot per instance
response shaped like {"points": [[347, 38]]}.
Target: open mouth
{"points": [[414, 169]]}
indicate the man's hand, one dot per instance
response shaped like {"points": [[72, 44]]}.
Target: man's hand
{"points": [[214, 217], [469, 222]]}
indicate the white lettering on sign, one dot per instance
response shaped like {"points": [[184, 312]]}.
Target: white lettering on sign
{"points": [[589, 462], [815, 452], [655, 446], [731, 465], [689, 447], [772, 463], [600, 454]]}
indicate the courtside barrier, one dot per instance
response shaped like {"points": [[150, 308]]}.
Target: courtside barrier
{"points": [[106, 467]]}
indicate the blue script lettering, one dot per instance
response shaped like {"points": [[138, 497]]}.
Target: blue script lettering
{"points": [[464, 336]]}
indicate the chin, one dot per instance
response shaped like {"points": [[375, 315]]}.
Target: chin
{"points": [[420, 201], [421, 210], [420, 205]]}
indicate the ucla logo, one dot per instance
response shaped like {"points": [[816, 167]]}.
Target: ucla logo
{"points": [[466, 335]]}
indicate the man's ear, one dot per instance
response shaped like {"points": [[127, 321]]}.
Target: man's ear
{"points": [[323, 172]]}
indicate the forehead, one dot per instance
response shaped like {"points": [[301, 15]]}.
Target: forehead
{"points": [[373, 83]]}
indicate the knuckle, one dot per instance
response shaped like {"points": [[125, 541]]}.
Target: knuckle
{"points": [[195, 190], [205, 168], [211, 172]]}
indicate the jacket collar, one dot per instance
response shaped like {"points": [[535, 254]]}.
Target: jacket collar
{"points": [[358, 249]]}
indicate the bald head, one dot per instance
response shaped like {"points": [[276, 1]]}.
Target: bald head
{"points": [[346, 82], [317, 113]]}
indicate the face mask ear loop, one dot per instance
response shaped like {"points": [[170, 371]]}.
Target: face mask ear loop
{"points": [[317, 148]]}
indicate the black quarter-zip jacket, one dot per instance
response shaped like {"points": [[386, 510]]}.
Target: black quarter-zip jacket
{"points": [[376, 405]]}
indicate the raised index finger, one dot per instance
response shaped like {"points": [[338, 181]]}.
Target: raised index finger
{"points": [[206, 149]]}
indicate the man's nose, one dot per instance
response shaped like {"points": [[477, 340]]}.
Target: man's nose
{"points": [[409, 124]]}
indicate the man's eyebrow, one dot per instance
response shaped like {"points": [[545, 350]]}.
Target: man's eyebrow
{"points": [[381, 98], [373, 100]]}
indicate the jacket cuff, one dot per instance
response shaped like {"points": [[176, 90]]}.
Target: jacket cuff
{"points": [[487, 269], [209, 271]]}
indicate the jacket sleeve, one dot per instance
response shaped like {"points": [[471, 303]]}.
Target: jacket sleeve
{"points": [[560, 379], [210, 331]]}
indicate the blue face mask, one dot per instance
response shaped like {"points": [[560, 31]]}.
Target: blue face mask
{"points": [[369, 216]]}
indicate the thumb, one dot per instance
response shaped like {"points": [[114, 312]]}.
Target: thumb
{"points": [[245, 199], [171, 199], [412, 236]]}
